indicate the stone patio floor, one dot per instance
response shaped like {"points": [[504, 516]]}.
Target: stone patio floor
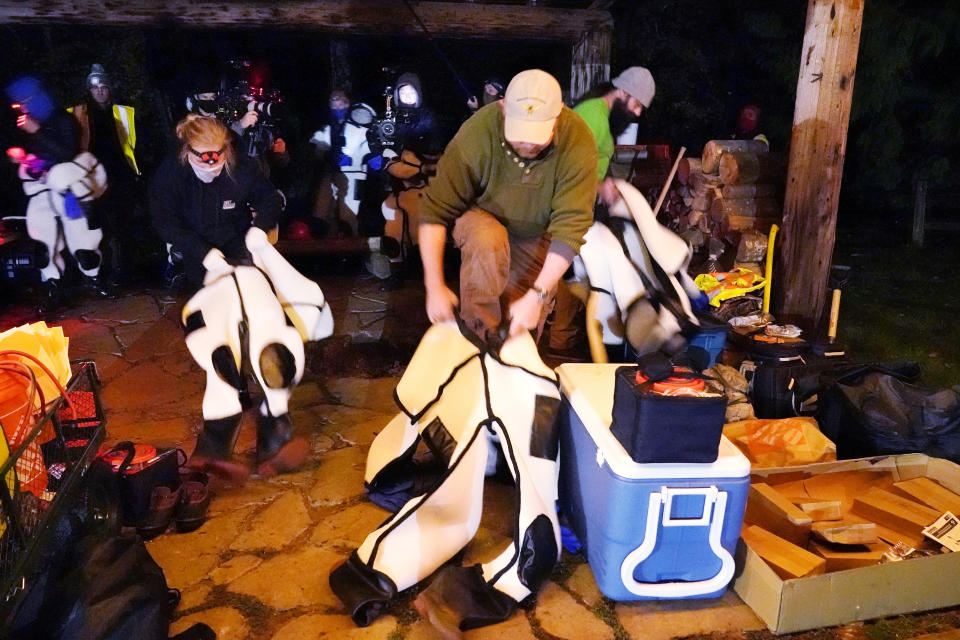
{"points": [[258, 568]]}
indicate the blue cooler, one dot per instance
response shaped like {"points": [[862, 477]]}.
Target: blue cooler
{"points": [[651, 531]]}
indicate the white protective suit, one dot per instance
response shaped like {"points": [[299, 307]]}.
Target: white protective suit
{"points": [[644, 263], [252, 318], [458, 397], [86, 179]]}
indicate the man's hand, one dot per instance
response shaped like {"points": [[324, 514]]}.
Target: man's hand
{"points": [[525, 313], [608, 192], [249, 119], [440, 303]]}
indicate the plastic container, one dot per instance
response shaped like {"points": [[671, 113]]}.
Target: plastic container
{"points": [[707, 344], [651, 531]]}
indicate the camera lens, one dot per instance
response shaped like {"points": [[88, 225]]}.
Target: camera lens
{"points": [[387, 129]]}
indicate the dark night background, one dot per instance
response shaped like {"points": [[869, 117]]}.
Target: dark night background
{"points": [[708, 58]]}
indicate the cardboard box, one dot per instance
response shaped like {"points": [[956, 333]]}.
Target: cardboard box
{"points": [[871, 592]]}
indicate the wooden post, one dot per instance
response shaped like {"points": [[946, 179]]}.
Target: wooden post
{"points": [[817, 149], [591, 62], [919, 211]]}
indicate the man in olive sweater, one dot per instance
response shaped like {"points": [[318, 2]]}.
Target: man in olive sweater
{"points": [[518, 183]]}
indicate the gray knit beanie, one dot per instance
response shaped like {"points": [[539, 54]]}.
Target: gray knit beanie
{"points": [[638, 82], [97, 77]]}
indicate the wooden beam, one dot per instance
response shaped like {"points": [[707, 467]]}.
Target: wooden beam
{"points": [[590, 61], [450, 19], [817, 150]]}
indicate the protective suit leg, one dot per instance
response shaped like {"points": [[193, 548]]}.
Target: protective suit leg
{"points": [[42, 227], [84, 244]]}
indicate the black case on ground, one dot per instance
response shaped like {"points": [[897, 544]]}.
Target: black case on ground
{"points": [[655, 428]]}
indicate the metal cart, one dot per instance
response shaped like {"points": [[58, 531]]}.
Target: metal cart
{"points": [[27, 520]]}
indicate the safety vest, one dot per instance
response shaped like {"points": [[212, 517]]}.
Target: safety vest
{"points": [[123, 118]]}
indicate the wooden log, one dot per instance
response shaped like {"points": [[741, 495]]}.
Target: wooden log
{"points": [[776, 514], [930, 493], [701, 181], [739, 168], [785, 558], [686, 168], [702, 201], [748, 191], [818, 145], [720, 208], [845, 485], [820, 511], [892, 511], [843, 557], [715, 149], [461, 20], [845, 533], [745, 223], [694, 216]]}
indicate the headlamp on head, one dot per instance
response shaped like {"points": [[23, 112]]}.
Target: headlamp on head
{"points": [[208, 157], [408, 96]]}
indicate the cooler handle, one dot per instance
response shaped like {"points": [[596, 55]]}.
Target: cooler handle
{"points": [[681, 589]]}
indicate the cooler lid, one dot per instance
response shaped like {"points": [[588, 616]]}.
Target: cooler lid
{"points": [[589, 389]]}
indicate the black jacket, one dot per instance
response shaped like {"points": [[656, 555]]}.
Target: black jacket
{"points": [[57, 140], [195, 217]]}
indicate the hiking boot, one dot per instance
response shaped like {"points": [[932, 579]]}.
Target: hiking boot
{"points": [[278, 449]]}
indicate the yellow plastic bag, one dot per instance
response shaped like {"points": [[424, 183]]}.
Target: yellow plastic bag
{"points": [[781, 442]]}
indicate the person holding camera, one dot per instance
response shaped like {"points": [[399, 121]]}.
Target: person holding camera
{"points": [[201, 198], [517, 184]]}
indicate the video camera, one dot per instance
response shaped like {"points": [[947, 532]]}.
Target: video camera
{"points": [[234, 101], [403, 101]]}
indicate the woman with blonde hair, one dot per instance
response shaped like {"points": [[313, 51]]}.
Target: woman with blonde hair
{"points": [[202, 198]]}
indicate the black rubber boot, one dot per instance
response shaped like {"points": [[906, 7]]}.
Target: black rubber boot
{"points": [[50, 295], [214, 450], [278, 449], [98, 286]]}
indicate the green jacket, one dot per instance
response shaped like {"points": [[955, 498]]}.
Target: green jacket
{"points": [[553, 193], [596, 114]]}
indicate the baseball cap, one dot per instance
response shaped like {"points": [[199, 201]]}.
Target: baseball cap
{"points": [[531, 105], [638, 82]]}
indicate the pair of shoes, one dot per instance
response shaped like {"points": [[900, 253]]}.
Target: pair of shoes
{"points": [[186, 506]]}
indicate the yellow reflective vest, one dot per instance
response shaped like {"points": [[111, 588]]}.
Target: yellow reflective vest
{"points": [[123, 117]]}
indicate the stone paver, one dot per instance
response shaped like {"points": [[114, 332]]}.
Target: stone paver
{"points": [[226, 622], [582, 583], [372, 394], [348, 527], [314, 627], [194, 596], [126, 309], [297, 578], [276, 526], [187, 558], [148, 384], [562, 616], [340, 477], [516, 628], [662, 620], [234, 568]]}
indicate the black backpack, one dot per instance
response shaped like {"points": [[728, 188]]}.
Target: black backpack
{"points": [[114, 590]]}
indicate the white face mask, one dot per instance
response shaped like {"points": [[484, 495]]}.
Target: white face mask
{"points": [[204, 172]]}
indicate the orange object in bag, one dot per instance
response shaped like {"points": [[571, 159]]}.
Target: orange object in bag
{"points": [[781, 442]]}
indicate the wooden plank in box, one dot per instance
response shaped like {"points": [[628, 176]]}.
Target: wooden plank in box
{"points": [[866, 593]]}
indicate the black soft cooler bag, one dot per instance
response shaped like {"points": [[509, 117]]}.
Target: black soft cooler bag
{"points": [[656, 428]]}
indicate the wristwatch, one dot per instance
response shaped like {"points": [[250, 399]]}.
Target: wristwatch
{"points": [[542, 294]]}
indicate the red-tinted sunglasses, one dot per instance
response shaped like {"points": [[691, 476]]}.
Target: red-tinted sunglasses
{"points": [[210, 157]]}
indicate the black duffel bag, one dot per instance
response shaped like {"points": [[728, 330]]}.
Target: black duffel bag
{"points": [[876, 410]]}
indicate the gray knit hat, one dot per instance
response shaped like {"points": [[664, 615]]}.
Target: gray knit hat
{"points": [[98, 77], [638, 82]]}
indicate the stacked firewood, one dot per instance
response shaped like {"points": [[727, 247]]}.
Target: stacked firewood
{"points": [[734, 187]]}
